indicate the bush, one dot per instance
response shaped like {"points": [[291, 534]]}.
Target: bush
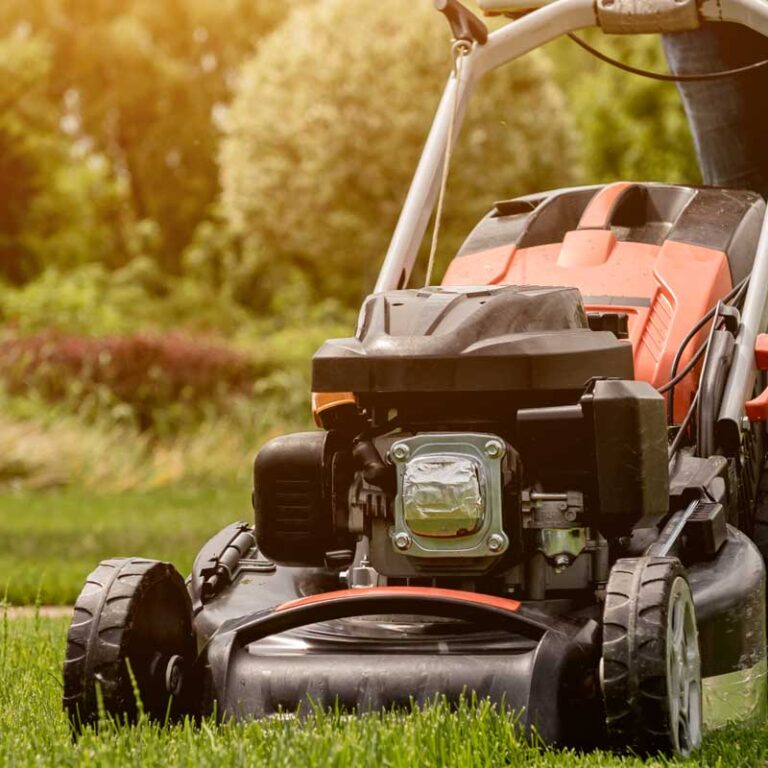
{"points": [[60, 203], [161, 380], [630, 127], [328, 123]]}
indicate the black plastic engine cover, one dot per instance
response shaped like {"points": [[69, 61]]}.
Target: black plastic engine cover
{"points": [[495, 339]]}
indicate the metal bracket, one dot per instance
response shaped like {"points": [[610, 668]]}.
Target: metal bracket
{"points": [[464, 24], [637, 17]]}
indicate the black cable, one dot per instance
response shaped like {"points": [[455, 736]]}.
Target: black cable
{"points": [[694, 407], [688, 368], [734, 295], [666, 78], [680, 436]]}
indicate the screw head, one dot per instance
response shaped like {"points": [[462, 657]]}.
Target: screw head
{"points": [[570, 515], [496, 542], [403, 541], [400, 452], [494, 449]]}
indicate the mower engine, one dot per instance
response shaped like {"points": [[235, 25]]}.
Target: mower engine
{"points": [[461, 444]]}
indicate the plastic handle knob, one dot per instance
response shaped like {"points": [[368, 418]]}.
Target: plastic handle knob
{"points": [[464, 24], [757, 409]]}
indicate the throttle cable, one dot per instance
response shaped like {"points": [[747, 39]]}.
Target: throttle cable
{"points": [[665, 77]]}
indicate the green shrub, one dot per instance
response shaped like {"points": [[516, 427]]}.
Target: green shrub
{"points": [[330, 117], [60, 202], [140, 82], [629, 127]]}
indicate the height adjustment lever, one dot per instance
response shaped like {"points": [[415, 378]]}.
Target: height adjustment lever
{"points": [[464, 24]]}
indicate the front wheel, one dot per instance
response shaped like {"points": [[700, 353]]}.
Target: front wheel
{"points": [[651, 668], [130, 646]]}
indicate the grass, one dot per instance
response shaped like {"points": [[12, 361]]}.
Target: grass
{"points": [[33, 731], [50, 541]]}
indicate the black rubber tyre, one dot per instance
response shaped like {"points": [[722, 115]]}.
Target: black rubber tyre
{"points": [[132, 623], [651, 670]]}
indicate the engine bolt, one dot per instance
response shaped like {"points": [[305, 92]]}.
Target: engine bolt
{"points": [[400, 452], [570, 515], [563, 561], [403, 540], [496, 542], [494, 449]]}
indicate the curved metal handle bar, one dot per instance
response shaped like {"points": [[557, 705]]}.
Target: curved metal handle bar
{"points": [[499, 613], [503, 46]]}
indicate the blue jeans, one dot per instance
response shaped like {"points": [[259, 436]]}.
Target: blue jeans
{"points": [[727, 117]]}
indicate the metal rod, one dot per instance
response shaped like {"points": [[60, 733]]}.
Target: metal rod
{"points": [[670, 535], [505, 45], [750, 13], [741, 379], [535, 496]]}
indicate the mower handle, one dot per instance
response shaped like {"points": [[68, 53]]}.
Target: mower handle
{"points": [[548, 22]]}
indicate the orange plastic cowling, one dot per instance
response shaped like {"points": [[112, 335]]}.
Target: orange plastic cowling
{"points": [[761, 352], [665, 290], [757, 409]]}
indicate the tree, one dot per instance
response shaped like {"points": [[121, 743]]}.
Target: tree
{"points": [[328, 123], [142, 82], [630, 127], [57, 202]]}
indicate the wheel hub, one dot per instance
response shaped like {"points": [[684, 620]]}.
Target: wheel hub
{"points": [[683, 669]]}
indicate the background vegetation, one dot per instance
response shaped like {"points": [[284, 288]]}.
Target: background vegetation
{"points": [[196, 192]]}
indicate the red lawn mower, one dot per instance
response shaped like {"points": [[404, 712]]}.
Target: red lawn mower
{"points": [[538, 483]]}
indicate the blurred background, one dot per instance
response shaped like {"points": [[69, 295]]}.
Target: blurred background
{"points": [[194, 194]]}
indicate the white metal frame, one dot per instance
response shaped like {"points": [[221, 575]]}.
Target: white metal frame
{"points": [[550, 21]]}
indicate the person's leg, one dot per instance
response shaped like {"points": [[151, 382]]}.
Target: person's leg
{"points": [[728, 117]]}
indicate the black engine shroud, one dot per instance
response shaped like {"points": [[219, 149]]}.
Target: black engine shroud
{"points": [[458, 340]]}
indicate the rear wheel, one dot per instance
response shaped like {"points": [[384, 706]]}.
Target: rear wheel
{"points": [[130, 645], [651, 669]]}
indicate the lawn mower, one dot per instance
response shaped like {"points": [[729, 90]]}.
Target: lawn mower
{"points": [[539, 483]]}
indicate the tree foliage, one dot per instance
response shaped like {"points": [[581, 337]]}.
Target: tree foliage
{"points": [[141, 81], [58, 202], [110, 148], [629, 127], [328, 123]]}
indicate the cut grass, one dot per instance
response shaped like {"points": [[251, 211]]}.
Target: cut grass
{"points": [[33, 730], [50, 541]]}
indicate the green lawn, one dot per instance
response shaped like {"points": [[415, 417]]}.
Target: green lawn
{"points": [[50, 541], [33, 730]]}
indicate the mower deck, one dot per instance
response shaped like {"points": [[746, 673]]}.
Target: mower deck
{"points": [[311, 643]]}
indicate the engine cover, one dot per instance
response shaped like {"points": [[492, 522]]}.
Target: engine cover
{"points": [[490, 339]]}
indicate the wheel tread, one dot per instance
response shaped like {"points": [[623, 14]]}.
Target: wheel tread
{"points": [[634, 653], [99, 633]]}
